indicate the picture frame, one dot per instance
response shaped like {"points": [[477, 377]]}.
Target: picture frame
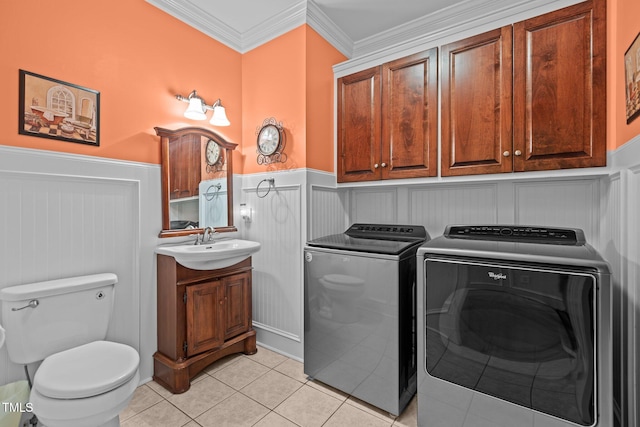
{"points": [[54, 109], [632, 79]]}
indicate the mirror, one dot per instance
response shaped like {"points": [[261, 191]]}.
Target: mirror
{"points": [[197, 181]]}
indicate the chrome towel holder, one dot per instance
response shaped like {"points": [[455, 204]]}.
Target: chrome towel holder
{"points": [[270, 181]]}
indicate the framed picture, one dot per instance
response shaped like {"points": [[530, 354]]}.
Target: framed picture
{"points": [[54, 109], [632, 79]]}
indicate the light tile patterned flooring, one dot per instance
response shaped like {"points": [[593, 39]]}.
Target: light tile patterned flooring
{"points": [[265, 390]]}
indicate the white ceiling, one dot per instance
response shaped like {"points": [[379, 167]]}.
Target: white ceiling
{"points": [[245, 24]]}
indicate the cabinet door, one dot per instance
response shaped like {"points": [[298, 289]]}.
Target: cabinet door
{"points": [[477, 104], [183, 178], [359, 126], [237, 296], [205, 309], [560, 90], [410, 116]]}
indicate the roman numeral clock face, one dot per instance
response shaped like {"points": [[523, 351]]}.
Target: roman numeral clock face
{"points": [[269, 139], [212, 153]]}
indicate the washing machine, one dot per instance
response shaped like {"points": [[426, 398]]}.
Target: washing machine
{"points": [[513, 329], [360, 312]]}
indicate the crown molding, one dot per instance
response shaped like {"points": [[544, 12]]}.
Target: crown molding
{"points": [[201, 21], [274, 26], [459, 20], [305, 11], [427, 29], [323, 25]]}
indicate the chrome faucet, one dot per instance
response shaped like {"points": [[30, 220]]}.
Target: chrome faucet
{"points": [[211, 232]]}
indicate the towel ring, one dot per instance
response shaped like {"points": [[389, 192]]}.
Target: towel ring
{"points": [[209, 195], [271, 182]]}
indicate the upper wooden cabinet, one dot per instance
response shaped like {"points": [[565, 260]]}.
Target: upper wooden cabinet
{"points": [[387, 120], [477, 104], [551, 116], [560, 89]]}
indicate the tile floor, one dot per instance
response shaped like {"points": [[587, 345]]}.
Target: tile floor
{"points": [[265, 389]]}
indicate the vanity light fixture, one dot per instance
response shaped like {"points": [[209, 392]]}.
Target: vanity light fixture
{"points": [[245, 212], [197, 109]]}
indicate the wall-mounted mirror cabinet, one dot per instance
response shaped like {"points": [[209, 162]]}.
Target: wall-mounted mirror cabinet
{"points": [[197, 181]]}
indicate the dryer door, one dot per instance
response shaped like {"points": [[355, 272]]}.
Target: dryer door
{"points": [[522, 334]]}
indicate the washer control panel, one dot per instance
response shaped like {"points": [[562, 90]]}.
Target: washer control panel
{"points": [[387, 231], [518, 233]]}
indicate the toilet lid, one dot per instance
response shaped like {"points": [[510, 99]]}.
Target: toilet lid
{"points": [[86, 371]]}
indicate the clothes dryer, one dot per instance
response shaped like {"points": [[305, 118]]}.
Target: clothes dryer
{"points": [[513, 329]]}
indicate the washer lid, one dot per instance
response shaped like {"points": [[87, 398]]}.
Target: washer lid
{"points": [[86, 371]]}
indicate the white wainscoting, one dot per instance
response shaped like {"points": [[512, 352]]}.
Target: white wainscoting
{"points": [[65, 215], [620, 246], [278, 224], [557, 202]]}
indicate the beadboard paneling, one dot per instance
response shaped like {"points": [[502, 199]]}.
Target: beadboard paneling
{"points": [[436, 207], [277, 274], [57, 227], [376, 206], [328, 208], [633, 286], [561, 203], [64, 215]]}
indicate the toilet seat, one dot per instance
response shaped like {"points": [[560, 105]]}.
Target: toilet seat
{"points": [[88, 370]]}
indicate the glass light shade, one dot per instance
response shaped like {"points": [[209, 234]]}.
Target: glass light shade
{"points": [[195, 111], [219, 117]]}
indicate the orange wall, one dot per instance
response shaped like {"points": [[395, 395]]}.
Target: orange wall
{"points": [[623, 26], [290, 79], [273, 85], [320, 101], [137, 57], [140, 59]]}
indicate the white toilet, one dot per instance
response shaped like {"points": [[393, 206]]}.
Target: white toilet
{"points": [[83, 381]]}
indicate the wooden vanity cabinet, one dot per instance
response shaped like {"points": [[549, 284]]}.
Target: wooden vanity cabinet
{"points": [[549, 115], [387, 120], [202, 317]]}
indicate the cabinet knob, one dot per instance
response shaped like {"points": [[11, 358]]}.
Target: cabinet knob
{"points": [[506, 154], [376, 166], [384, 165], [518, 153]]}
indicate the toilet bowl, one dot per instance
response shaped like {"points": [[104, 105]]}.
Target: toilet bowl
{"points": [[343, 292], [83, 380], [85, 386]]}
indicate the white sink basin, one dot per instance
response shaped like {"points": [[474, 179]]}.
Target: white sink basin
{"points": [[211, 256]]}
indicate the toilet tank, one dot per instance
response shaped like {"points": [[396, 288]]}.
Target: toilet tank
{"points": [[69, 312]]}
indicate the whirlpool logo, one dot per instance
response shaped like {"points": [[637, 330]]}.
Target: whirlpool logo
{"points": [[497, 276]]}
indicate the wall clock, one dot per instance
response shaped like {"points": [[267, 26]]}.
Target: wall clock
{"points": [[213, 156], [270, 142]]}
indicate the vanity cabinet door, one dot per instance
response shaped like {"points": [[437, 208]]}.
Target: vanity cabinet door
{"points": [[237, 296], [205, 316]]}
